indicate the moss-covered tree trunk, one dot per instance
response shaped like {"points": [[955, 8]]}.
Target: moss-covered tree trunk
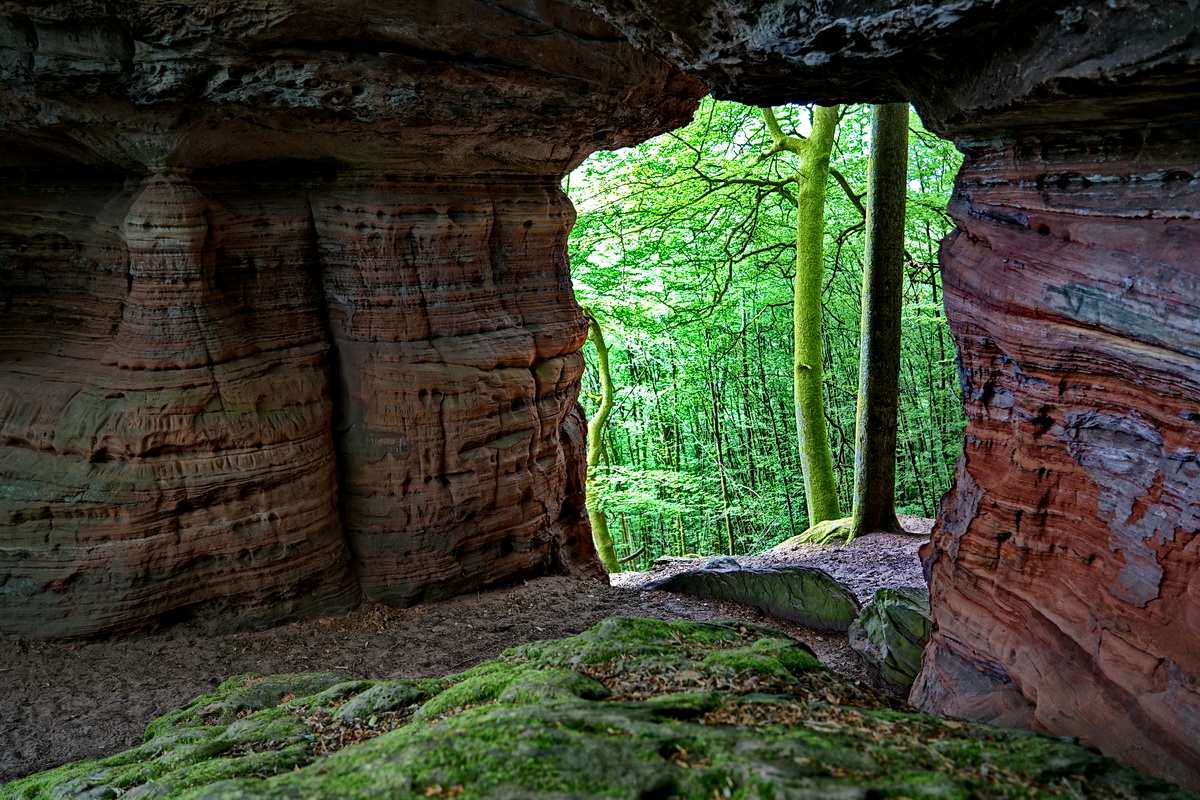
{"points": [[601, 536], [816, 460], [882, 297]]}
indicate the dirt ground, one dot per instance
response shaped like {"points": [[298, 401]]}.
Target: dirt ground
{"points": [[66, 701]]}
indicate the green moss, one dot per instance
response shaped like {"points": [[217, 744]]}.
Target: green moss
{"points": [[743, 659], [337, 693], [483, 684], [631, 638], [495, 751], [780, 658], [387, 696], [269, 725], [241, 695], [511, 683], [62, 779], [528, 726], [683, 705], [549, 684], [793, 656], [254, 764]]}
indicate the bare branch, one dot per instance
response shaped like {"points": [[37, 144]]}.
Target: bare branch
{"points": [[855, 199]]}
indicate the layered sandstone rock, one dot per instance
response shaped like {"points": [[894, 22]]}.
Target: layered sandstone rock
{"points": [[285, 291], [287, 315], [1065, 567], [165, 424], [1067, 558], [457, 335]]}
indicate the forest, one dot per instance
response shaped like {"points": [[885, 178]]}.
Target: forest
{"points": [[684, 257]]}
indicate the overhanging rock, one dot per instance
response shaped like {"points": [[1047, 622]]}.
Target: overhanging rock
{"points": [[287, 315], [1066, 560]]}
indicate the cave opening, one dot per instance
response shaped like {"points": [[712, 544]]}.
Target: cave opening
{"points": [[683, 252], [156, 421]]}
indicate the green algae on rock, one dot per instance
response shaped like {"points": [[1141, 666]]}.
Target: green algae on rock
{"points": [[891, 633], [806, 595], [631, 708]]}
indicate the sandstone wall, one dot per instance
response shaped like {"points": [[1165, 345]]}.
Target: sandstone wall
{"points": [[457, 338], [1065, 563], [287, 313], [1065, 568], [166, 435]]}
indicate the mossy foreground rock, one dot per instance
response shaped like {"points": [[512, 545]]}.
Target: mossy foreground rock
{"points": [[632, 708]]}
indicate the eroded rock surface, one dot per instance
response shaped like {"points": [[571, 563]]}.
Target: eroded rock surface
{"points": [[287, 315], [1066, 561], [629, 709], [1065, 566], [972, 67], [891, 633], [239, 244], [166, 434]]}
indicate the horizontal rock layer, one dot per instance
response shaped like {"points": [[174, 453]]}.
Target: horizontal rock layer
{"points": [[166, 436], [450, 88], [457, 339], [1066, 558], [288, 318], [169, 438], [973, 68]]}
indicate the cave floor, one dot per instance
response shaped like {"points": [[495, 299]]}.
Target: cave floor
{"points": [[66, 701]]}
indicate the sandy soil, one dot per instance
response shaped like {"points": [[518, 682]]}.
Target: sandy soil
{"points": [[65, 701]]}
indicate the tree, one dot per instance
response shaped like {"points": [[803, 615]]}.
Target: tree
{"points": [[812, 174], [595, 446], [685, 249], [882, 297]]}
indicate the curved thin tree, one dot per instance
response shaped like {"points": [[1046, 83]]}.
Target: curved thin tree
{"points": [[595, 445]]}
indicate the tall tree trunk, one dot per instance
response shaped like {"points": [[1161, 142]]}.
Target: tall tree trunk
{"points": [[785, 470], [721, 467], [600, 534], [879, 363], [816, 461]]}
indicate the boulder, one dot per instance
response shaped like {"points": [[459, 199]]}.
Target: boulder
{"points": [[891, 633], [806, 595]]}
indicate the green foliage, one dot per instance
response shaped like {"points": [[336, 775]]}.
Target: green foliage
{"points": [[686, 247]]}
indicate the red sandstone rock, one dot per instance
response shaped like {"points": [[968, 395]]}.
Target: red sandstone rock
{"points": [[1065, 569], [407, 262], [165, 442], [458, 344], [1066, 559], [287, 309]]}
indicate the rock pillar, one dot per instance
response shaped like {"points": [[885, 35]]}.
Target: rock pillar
{"points": [[457, 339], [287, 313], [1064, 564]]}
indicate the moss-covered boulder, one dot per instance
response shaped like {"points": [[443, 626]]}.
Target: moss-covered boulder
{"points": [[892, 631], [629, 709], [806, 595]]}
